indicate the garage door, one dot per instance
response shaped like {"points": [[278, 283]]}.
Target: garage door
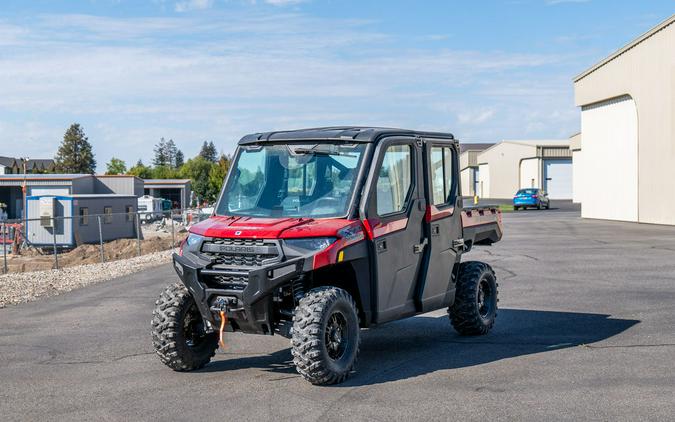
{"points": [[609, 168], [558, 179]]}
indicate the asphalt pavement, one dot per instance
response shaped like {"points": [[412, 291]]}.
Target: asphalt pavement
{"points": [[585, 331]]}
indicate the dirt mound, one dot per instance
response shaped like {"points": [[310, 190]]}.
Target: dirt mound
{"points": [[36, 260]]}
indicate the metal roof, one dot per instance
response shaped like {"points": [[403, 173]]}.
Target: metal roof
{"points": [[31, 176], [8, 161], [344, 133], [100, 195], [478, 146], [661, 26], [540, 142], [166, 181]]}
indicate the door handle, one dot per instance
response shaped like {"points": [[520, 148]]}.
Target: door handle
{"points": [[419, 248], [381, 246]]}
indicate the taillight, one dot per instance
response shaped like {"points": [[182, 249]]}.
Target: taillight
{"points": [[534, 196]]}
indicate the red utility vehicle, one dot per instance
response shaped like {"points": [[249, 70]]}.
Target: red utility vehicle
{"points": [[320, 232]]}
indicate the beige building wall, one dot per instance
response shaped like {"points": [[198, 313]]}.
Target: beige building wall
{"points": [[484, 180], [579, 180], [645, 71], [468, 163], [503, 178], [466, 179]]}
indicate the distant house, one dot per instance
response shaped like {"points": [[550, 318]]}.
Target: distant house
{"points": [[10, 165], [40, 165]]}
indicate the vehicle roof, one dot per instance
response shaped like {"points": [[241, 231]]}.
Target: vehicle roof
{"points": [[346, 133]]}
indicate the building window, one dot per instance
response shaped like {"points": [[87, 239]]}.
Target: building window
{"points": [[84, 216], [107, 215], [442, 181], [130, 213], [395, 180]]}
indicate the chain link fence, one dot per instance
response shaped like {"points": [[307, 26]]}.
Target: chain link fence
{"points": [[57, 242]]}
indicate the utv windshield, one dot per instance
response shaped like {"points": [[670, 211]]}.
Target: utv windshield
{"points": [[311, 181]]}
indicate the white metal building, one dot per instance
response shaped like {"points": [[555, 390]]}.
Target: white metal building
{"points": [[511, 165], [468, 166], [625, 163]]}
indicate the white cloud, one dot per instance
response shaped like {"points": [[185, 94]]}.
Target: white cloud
{"points": [[476, 117], [185, 6]]}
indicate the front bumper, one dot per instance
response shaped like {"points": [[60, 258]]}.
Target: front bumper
{"points": [[249, 309]]}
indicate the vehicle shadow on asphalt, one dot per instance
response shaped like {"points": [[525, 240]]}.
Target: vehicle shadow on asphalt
{"points": [[425, 344], [417, 346]]}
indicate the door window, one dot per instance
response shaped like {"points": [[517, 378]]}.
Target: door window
{"points": [[394, 180], [442, 180]]}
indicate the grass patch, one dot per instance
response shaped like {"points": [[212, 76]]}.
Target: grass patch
{"points": [[506, 208]]}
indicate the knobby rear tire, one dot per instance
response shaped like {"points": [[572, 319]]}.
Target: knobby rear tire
{"points": [[466, 315]]}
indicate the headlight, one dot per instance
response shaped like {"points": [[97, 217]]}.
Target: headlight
{"points": [[311, 243], [193, 239]]}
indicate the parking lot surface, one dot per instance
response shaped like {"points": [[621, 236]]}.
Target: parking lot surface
{"points": [[585, 331]]}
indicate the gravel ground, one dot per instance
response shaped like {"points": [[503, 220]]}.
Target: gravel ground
{"points": [[25, 287]]}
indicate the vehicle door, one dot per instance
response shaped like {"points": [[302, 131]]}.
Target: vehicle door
{"points": [[443, 225], [393, 206]]}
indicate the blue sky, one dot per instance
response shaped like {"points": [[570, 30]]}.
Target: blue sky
{"points": [[192, 70]]}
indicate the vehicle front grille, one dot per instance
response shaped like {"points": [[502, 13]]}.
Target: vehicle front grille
{"points": [[230, 282], [243, 253]]}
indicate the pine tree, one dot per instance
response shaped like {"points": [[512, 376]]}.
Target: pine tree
{"points": [[209, 152], [161, 158], [75, 155], [170, 152], [180, 159]]}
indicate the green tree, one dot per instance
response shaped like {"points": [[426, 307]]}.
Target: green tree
{"points": [[198, 170], [141, 170], [116, 166], [75, 155], [164, 172], [171, 151], [166, 154], [161, 158], [180, 159], [217, 174], [209, 152]]}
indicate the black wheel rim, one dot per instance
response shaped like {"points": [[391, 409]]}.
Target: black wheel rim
{"points": [[336, 335], [193, 328], [485, 295]]}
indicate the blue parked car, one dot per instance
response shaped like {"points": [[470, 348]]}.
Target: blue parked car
{"points": [[532, 197]]}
